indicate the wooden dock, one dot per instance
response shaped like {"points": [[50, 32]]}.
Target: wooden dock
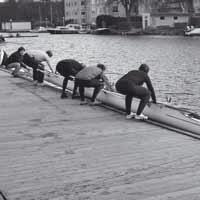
{"points": [[53, 149]]}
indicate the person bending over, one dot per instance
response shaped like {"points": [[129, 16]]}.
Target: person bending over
{"points": [[15, 60], [36, 59], [93, 77], [68, 68], [131, 86]]}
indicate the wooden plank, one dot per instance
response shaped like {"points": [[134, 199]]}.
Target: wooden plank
{"points": [[56, 149]]}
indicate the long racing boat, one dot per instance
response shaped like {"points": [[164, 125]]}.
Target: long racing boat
{"points": [[174, 118], [178, 118]]}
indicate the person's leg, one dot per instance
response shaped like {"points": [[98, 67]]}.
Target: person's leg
{"points": [[144, 95], [97, 89], [31, 63], [40, 75], [16, 67], [75, 89], [65, 82], [128, 102], [82, 84], [82, 91], [143, 102], [97, 85], [34, 74], [127, 88]]}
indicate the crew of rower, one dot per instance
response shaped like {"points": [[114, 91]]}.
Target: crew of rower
{"points": [[129, 85]]}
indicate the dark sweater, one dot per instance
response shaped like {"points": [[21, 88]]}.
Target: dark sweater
{"points": [[14, 57], [69, 66], [139, 78]]}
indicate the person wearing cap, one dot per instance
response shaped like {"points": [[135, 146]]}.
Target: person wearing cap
{"points": [[15, 60], [92, 77], [68, 68], [131, 86], [36, 59]]}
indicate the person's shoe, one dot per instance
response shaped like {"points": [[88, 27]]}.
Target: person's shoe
{"points": [[63, 96], [83, 103], [131, 115], [41, 84], [75, 96], [95, 103], [141, 117]]}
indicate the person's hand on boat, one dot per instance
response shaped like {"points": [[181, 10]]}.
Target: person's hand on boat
{"points": [[110, 88], [150, 102]]}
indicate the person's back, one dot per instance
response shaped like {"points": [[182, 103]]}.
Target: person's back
{"points": [[14, 57], [38, 55], [92, 77], [36, 59], [89, 73], [69, 67], [135, 76]]}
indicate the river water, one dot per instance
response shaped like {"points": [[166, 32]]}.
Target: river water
{"points": [[174, 60]]}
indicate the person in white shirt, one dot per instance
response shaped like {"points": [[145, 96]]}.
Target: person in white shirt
{"points": [[37, 59]]}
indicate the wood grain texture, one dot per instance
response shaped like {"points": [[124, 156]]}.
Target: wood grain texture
{"points": [[56, 149]]}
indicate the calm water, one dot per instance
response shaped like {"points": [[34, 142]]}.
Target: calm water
{"points": [[174, 61]]}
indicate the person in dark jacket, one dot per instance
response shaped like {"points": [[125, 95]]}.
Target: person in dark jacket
{"points": [[131, 86], [68, 68], [15, 60]]}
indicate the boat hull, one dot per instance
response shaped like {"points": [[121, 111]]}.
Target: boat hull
{"points": [[54, 31], [165, 114], [194, 32], [175, 118]]}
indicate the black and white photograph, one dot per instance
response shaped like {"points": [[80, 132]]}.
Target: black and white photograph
{"points": [[99, 99]]}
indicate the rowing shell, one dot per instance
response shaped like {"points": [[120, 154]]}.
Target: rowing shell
{"points": [[1, 56], [174, 117]]}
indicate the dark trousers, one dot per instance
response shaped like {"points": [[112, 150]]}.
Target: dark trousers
{"points": [[94, 83], [37, 75], [65, 82], [66, 71], [131, 90]]}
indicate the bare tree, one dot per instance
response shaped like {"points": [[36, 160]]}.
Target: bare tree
{"points": [[129, 6]]}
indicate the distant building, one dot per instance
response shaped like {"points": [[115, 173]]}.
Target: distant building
{"points": [[115, 9], [169, 20], [164, 13], [76, 11], [16, 26], [155, 12], [83, 11], [39, 12], [196, 5]]}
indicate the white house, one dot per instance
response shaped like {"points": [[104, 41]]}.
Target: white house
{"points": [[168, 19]]}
